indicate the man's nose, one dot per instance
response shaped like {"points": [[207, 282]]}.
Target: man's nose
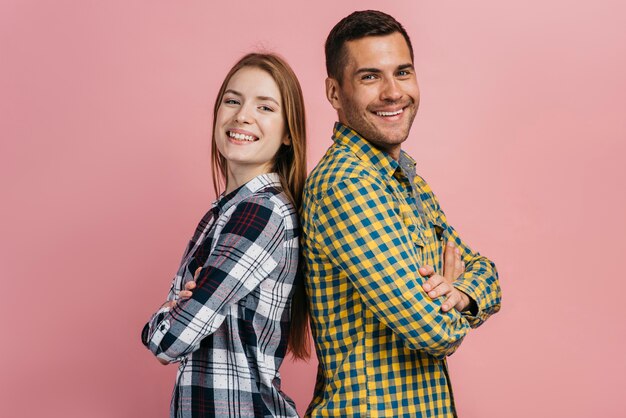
{"points": [[391, 90]]}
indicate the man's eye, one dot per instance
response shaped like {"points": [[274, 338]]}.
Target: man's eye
{"points": [[403, 73], [368, 77]]}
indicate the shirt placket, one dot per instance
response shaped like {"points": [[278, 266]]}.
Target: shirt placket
{"points": [[410, 215], [431, 253]]}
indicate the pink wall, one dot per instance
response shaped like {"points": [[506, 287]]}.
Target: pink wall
{"points": [[104, 118]]}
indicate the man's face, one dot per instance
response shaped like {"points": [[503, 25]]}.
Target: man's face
{"points": [[378, 96]]}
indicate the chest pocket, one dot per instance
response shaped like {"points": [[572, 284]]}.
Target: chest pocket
{"points": [[426, 233], [417, 234], [434, 235], [413, 224]]}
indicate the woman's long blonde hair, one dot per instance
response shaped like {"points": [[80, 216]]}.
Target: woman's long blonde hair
{"points": [[289, 163]]}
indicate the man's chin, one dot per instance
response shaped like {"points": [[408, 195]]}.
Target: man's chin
{"points": [[392, 138], [381, 135], [392, 134]]}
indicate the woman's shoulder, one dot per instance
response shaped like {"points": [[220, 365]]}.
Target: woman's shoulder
{"points": [[266, 209], [269, 196], [260, 199], [273, 198]]}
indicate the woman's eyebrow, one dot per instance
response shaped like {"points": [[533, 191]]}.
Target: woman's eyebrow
{"points": [[262, 98]]}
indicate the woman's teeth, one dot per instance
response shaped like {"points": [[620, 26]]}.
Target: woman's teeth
{"points": [[242, 137], [397, 112]]}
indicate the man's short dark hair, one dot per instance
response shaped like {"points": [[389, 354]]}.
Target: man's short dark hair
{"points": [[356, 26]]}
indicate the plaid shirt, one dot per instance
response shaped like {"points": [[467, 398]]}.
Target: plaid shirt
{"points": [[231, 335], [368, 224]]}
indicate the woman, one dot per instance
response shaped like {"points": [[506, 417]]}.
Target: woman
{"points": [[247, 307]]}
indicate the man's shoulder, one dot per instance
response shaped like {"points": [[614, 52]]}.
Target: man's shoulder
{"points": [[421, 183], [336, 166]]}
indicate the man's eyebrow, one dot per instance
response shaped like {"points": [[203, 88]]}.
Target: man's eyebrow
{"points": [[367, 70], [263, 98], [401, 67]]}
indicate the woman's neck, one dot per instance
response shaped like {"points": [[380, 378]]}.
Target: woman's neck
{"points": [[238, 176]]}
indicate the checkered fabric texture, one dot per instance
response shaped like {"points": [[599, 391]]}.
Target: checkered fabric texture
{"points": [[231, 335], [368, 224]]}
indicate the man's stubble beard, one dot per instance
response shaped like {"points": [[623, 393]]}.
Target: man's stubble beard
{"points": [[364, 126]]}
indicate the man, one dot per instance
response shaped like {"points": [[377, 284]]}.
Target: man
{"points": [[386, 308]]}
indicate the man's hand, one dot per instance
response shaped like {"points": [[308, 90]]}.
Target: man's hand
{"points": [[186, 293], [437, 285]]}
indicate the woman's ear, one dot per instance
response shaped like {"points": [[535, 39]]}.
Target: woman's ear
{"points": [[287, 140]]}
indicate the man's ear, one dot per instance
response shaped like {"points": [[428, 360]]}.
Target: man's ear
{"points": [[332, 93]]}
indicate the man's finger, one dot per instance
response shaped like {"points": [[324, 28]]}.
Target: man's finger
{"points": [[442, 289], [458, 267], [463, 302], [451, 301], [449, 260], [432, 282], [426, 271]]}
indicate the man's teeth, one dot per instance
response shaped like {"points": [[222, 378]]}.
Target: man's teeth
{"points": [[397, 112], [241, 137]]}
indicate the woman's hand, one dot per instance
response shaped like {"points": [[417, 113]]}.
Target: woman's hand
{"points": [[184, 294]]}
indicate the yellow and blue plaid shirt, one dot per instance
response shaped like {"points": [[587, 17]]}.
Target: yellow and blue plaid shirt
{"points": [[368, 224]]}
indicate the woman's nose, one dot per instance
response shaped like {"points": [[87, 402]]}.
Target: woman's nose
{"points": [[243, 115]]}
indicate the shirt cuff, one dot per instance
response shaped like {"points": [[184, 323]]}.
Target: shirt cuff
{"points": [[151, 325], [472, 312]]}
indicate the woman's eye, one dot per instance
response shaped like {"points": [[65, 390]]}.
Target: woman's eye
{"points": [[231, 101], [266, 108]]}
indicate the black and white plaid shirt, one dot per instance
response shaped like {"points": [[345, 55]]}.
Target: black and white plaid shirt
{"points": [[231, 335]]}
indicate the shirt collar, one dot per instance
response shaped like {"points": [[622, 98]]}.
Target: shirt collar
{"points": [[365, 151], [407, 164], [262, 181]]}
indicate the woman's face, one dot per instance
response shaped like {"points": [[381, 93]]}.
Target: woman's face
{"points": [[250, 127]]}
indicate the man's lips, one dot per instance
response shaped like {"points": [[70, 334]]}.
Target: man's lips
{"points": [[389, 113]]}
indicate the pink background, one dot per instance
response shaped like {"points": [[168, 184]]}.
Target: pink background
{"points": [[105, 119]]}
